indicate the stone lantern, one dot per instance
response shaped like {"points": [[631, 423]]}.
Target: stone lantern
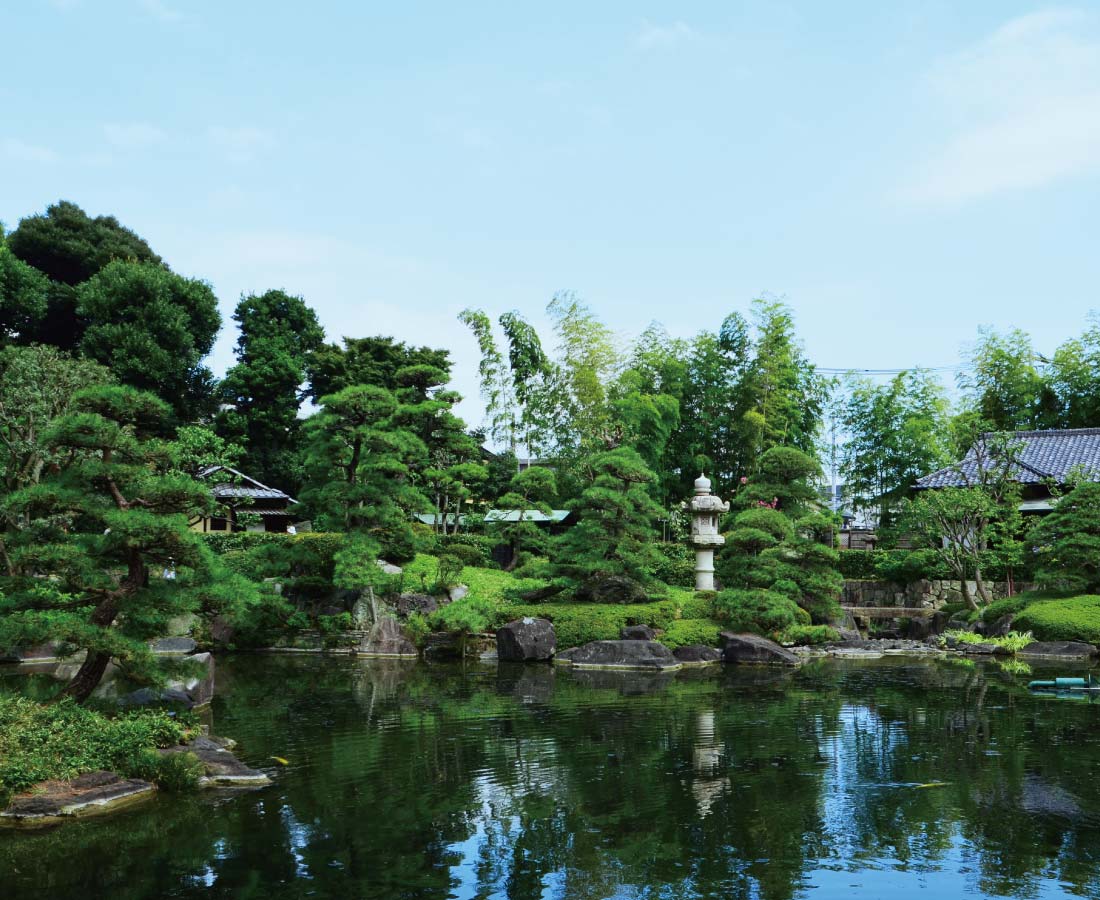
{"points": [[706, 509]]}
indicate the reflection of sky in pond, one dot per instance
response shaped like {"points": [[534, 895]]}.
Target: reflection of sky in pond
{"points": [[423, 783]]}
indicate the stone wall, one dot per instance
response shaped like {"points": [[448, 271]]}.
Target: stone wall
{"points": [[924, 594]]}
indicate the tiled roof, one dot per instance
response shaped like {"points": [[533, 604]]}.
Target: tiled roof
{"points": [[245, 486], [236, 490], [1044, 456]]}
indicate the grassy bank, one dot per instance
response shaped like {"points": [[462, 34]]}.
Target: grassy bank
{"points": [[60, 741]]}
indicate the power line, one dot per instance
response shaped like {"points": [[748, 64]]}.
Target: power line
{"points": [[825, 370]]}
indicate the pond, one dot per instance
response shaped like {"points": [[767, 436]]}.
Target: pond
{"points": [[898, 778]]}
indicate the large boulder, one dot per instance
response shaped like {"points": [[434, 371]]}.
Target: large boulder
{"points": [[421, 604], [616, 589], [754, 649], [222, 631], [624, 655], [697, 655], [174, 646], [637, 633], [1059, 650], [844, 623], [387, 639], [526, 639]]}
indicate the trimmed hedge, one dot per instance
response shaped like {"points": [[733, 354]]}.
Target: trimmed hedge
{"points": [[579, 623], [1067, 619], [907, 566]]}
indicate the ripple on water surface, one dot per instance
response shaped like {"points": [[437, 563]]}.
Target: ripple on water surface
{"points": [[886, 778]]}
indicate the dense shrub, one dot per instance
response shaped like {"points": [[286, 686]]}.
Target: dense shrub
{"points": [[759, 611], [1009, 606], [907, 566], [807, 634], [63, 740], [684, 632], [227, 541], [481, 544], [675, 565], [1067, 619], [579, 623]]}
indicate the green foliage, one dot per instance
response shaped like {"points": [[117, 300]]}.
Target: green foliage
{"points": [[1013, 641], [448, 572], [579, 623], [98, 554], [1003, 384], [807, 635], [675, 564], [366, 361], [37, 385], [1068, 542], [1067, 619], [896, 432], [152, 328], [24, 294], [780, 545], [63, 740], [685, 632], [278, 332], [759, 611], [614, 535], [69, 247], [358, 469]]}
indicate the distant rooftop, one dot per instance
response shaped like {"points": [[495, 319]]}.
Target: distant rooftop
{"points": [[1044, 456]]}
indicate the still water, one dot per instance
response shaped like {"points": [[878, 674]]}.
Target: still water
{"points": [[880, 778]]}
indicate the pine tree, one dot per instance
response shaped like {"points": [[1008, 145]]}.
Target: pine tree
{"points": [[98, 555], [614, 541]]}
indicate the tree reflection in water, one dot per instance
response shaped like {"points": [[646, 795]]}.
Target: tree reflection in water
{"points": [[413, 781]]}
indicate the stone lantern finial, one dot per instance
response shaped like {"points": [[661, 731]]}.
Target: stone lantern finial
{"points": [[705, 511]]}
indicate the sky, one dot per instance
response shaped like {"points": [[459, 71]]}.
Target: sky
{"points": [[900, 173]]}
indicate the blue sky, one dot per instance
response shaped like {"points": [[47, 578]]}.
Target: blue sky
{"points": [[901, 173]]}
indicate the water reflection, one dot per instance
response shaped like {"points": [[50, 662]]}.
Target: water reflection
{"points": [[413, 781]]}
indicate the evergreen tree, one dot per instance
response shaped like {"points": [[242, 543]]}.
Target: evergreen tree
{"points": [[371, 360], [98, 555], [779, 540], [359, 465], [37, 385], [68, 246], [152, 328], [278, 333], [1068, 542], [529, 491], [615, 536], [24, 297]]}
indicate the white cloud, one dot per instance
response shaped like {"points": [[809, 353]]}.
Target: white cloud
{"points": [[242, 143], [158, 9], [24, 152], [1023, 111], [650, 36], [133, 135]]}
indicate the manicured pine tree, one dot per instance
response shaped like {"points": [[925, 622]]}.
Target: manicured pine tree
{"points": [[616, 535], [1068, 541], [529, 491], [98, 555], [359, 464]]}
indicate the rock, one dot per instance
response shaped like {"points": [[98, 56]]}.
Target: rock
{"points": [[387, 639], [985, 648], [199, 688], [637, 633], [221, 631], [91, 794], [624, 655], [697, 655], [361, 616], [220, 767], [1059, 650], [174, 646], [752, 648], [422, 604], [845, 626], [457, 592], [565, 657], [526, 639], [616, 589], [1000, 627], [389, 568]]}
